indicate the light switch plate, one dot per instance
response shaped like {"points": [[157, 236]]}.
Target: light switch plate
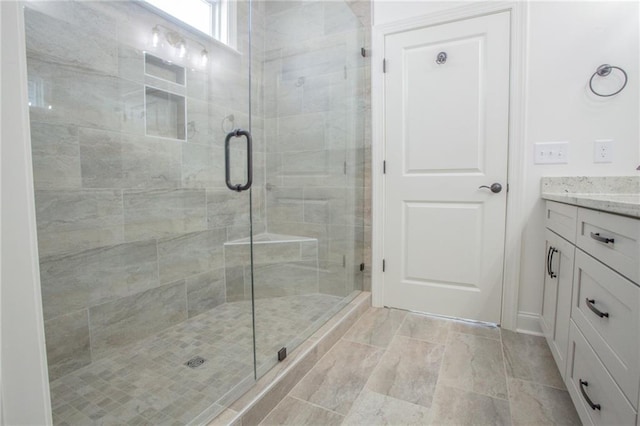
{"points": [[603, 151], [551, 152]]}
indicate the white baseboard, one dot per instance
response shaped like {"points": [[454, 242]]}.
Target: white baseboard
{"points": [[529, 323]]}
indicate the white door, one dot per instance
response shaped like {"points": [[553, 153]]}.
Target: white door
{"points": [[446, 134]]}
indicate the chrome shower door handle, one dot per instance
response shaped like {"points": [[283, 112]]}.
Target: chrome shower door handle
{"points": [[227, 142]]}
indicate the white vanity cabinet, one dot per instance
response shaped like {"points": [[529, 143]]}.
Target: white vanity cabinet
{"points": [[591, 315]]}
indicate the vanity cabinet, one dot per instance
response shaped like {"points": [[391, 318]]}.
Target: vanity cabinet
{"points": [[591, 310]]}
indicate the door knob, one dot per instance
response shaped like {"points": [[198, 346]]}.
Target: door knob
{"points": [[495, 187]]}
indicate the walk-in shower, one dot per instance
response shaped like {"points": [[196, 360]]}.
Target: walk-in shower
{"points": [[199, 195]]}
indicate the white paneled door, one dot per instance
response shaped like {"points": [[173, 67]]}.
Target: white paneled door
{"points": [[446, 136]]}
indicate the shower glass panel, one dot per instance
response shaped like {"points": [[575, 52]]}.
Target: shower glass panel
{"points": [[166, 291], [133, 211], [307, 262]]}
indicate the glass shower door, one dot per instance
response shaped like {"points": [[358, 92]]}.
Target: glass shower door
{"points": [[310, 114], [145, 251]]}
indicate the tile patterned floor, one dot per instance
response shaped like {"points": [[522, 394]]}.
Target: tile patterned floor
{"points": [[399, 368], [148, 383]]}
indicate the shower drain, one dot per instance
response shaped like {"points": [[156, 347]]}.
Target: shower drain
{"points": [[195, 362]]}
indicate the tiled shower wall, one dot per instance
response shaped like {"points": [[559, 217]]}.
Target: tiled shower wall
{"points": [[131, 227], [317, 110]]}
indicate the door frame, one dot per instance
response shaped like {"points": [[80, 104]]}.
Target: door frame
{"points": [[515, 175], [24, 392]]}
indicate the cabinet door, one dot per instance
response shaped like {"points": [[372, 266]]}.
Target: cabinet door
{"points": [[556, 302], [550, 289]]}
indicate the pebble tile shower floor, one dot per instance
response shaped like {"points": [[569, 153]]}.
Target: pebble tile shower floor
{"points": [[148, 382], [398, 368]]}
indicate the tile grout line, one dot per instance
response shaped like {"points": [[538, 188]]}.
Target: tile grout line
{"points": [[374, 369], [435, 389], [506, 377], [539, 384], [315, 405]]}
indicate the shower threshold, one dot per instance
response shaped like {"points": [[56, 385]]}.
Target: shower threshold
{"points": [[149, 383]]}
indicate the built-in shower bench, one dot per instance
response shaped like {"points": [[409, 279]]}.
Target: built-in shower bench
{"points": [[284, 265]]}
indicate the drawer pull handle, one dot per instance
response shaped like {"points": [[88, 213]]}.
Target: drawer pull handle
{"points": [[550, 253], [596, 236], [584, 384], [595, 310]]}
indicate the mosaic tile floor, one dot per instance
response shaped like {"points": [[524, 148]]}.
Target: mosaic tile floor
{"points": [[149, 383]]}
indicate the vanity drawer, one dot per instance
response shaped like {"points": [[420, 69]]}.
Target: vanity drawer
{"points": [[612, 239], [600, 387], [610, 320], [561, 219]]}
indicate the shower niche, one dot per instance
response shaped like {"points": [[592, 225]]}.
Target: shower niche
{"points": [[164, 102], [165, 114], [155, 66]]}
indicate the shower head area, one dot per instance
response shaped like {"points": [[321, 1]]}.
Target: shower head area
{"points": [[200, 194]]}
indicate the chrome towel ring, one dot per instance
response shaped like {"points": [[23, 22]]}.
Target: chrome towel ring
{"points": [[603, 71]]}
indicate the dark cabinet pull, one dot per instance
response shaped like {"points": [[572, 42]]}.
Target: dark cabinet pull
{"points": [[236, 134], [595, 310], [584, 384], [550, 253], [596, 236]]}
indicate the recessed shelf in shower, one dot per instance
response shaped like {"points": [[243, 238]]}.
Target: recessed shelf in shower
{"points": [[165, 114], [162, 69]]}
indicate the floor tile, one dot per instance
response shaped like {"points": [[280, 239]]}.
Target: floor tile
{"points": [[408, 371], [475, 364], [463, 381], [292, 411], [376, 327], [477, 329], [335, 382], [423, 327], [532, 403], [372, 408], [529, 358], [457, 407]]}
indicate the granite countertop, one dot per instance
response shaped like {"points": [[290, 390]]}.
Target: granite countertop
{"points": [[613, 194]]}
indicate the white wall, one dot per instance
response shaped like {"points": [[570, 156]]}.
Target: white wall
{"points": [[566, 42], [25, 385]]}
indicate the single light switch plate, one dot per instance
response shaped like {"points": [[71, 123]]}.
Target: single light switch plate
{"points": [[603, 151], [551, 152]]}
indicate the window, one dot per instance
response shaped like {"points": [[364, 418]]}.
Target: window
{"points": [[211, 17]]}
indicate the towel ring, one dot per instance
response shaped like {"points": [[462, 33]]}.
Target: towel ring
{"points": [[603, 71]]}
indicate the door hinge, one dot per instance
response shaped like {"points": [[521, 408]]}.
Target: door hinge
{"points": [[384, 167], [384, 265], [384, 65], [345, 168], [507, 187], [361, 267]]}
